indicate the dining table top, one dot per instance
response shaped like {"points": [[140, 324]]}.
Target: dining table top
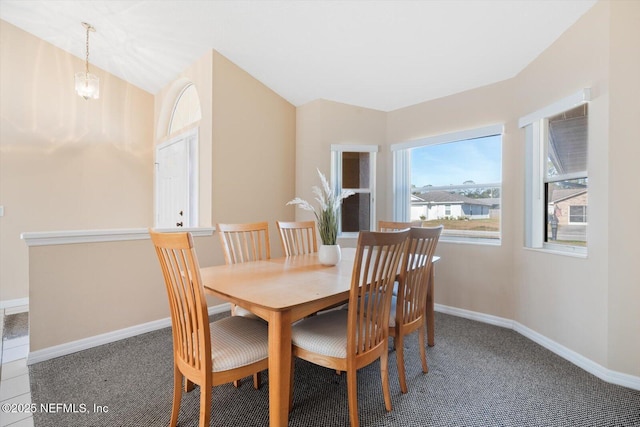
{"points": [[281, 283]]}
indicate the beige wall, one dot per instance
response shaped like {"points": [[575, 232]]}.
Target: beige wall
{"points": [[564, 298], [78, 291], [322, 123], [64, 161], [254, 150], [623, 323]]}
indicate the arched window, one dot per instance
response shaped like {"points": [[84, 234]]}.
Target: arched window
{"points": [[186, 110]]}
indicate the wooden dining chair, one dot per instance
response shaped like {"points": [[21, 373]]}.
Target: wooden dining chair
{"points": [[298, 237], [386, 226], [245, 242], [205, 354], [408, 307], [347, 340], [393, 225]]}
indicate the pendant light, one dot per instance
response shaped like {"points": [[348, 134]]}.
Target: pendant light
{"points": [[87, 84]]}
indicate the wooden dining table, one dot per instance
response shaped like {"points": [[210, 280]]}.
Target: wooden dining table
{"points": [[281, 291]]}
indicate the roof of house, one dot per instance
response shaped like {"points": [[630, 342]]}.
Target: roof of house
{"points": [[445, 197], [559, 195]]}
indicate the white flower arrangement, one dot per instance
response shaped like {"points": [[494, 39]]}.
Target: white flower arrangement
{"points": [[327, 215]]}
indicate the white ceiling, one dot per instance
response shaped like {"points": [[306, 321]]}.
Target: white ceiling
{"points": [[377, 54]]}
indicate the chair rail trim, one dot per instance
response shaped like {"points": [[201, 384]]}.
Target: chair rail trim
{"points": [[67, 237]]}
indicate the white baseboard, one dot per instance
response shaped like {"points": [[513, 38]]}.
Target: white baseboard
{"points": [[577, 359], [86, 343], [9, 303]]}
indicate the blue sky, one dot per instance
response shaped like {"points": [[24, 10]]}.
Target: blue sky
{"points": [[478, 160]]}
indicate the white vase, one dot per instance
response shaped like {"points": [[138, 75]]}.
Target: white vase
{"points": [[329, 254]]}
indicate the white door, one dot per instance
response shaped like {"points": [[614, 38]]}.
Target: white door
{"points": [[175, 204]]}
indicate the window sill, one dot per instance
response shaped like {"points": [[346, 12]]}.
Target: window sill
{"points": [[470, 241], [571, 251]]}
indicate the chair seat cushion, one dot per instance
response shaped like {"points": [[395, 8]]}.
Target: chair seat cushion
{"points": [[238, 341], [392, 312], [243, 312], [324, 333]]}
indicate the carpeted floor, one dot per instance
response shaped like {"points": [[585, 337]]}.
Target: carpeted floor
{"points": [[480, 375]]}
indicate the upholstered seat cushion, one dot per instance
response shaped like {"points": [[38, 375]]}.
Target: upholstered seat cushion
{"points": [[238, 341], [324, 334], [239, 311], [392, 312]]}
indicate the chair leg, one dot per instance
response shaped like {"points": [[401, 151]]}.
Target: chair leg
{"points": [[352, 396], [188, 385], [384, 373], [205, 405], [177, 396], [423, 351], [402, 376], [236, 383], [256, 380]]}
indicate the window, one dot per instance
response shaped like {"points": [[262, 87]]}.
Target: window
{"points": [[453, 180], [556, 175], [353, 168], [577, 214], [186, 110]]}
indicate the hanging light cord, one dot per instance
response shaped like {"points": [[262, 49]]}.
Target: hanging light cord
{"points": [[86, 62], [89, 27]]}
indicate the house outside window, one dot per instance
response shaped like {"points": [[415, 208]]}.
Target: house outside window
{"points": [[353, 168]]}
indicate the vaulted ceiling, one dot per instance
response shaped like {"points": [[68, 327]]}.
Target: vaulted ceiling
{"points": [[383, 55]]}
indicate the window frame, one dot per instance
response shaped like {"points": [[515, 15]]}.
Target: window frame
{"points": [[536, 130], [336, 179], [402, 176]]}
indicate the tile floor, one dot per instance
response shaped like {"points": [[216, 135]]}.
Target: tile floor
{"points": [[14, 376]]}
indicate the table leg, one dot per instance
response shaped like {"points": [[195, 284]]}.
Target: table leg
{"points": [[430, 310], [279, 367]]}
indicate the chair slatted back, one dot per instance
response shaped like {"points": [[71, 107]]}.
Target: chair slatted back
{"points": [[393, 225], [187, 303], [414, 274], [376, 265], [298, 237], [245, 242]]}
